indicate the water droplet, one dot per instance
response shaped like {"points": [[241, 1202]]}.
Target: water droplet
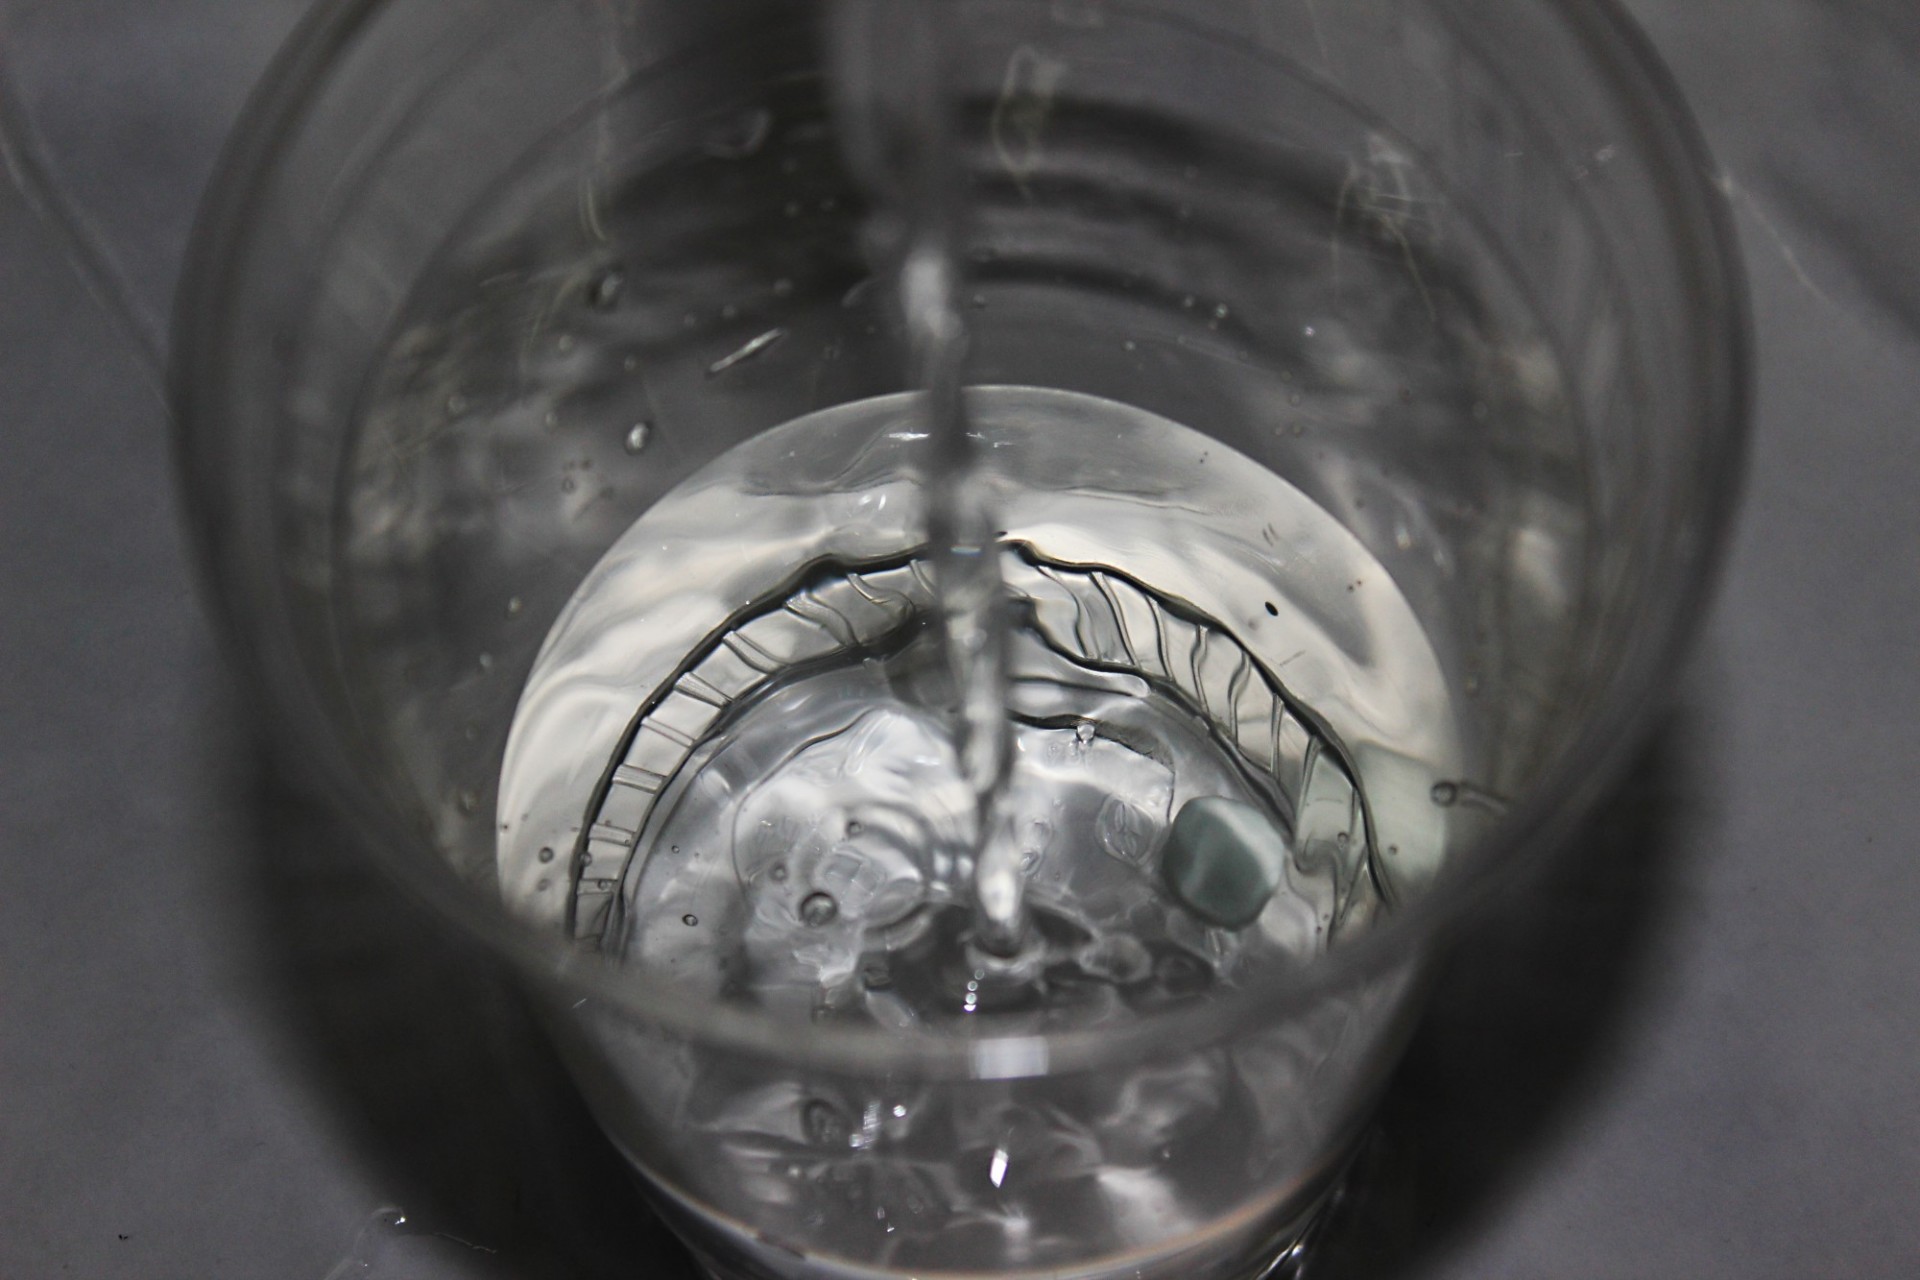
{"points": [[546, 855], [690, 920], [637, 436], [1445, 793], [743, 137], [818, 910], [514, 605], [604, 292], [1085, 732]]}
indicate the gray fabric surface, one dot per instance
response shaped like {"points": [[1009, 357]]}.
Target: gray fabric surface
{"points": [[1688, 1050]]}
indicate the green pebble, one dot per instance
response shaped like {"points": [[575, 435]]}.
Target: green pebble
{"points": [[1224, 860]]}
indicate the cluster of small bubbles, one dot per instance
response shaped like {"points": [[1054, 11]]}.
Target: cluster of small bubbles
{"points": [[823, 1124], [637, 436], [817, 910], [972, 1002]]}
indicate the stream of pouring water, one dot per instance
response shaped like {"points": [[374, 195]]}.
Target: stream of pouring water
{"points": [[898, 111]]}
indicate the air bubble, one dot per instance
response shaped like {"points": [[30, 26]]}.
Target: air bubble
{"points": [[514, 605], [1445, 793], [637, 436], [690, 920], [818, 910], [604, 292], [546, 855]]}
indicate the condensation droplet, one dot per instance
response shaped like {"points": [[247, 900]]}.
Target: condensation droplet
{"points": [[818, 910], [637, 436]]}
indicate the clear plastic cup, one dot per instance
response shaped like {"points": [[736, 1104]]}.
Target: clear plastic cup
{"points": [[1362, 388]]}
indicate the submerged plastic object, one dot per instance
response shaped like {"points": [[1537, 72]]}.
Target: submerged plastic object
{"points": [[1223, 861]]}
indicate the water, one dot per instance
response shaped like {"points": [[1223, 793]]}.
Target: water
{"points": [[897, 114], [788, 820]]}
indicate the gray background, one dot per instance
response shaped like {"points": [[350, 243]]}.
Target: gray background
{"points": [[1689, 1049]]}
